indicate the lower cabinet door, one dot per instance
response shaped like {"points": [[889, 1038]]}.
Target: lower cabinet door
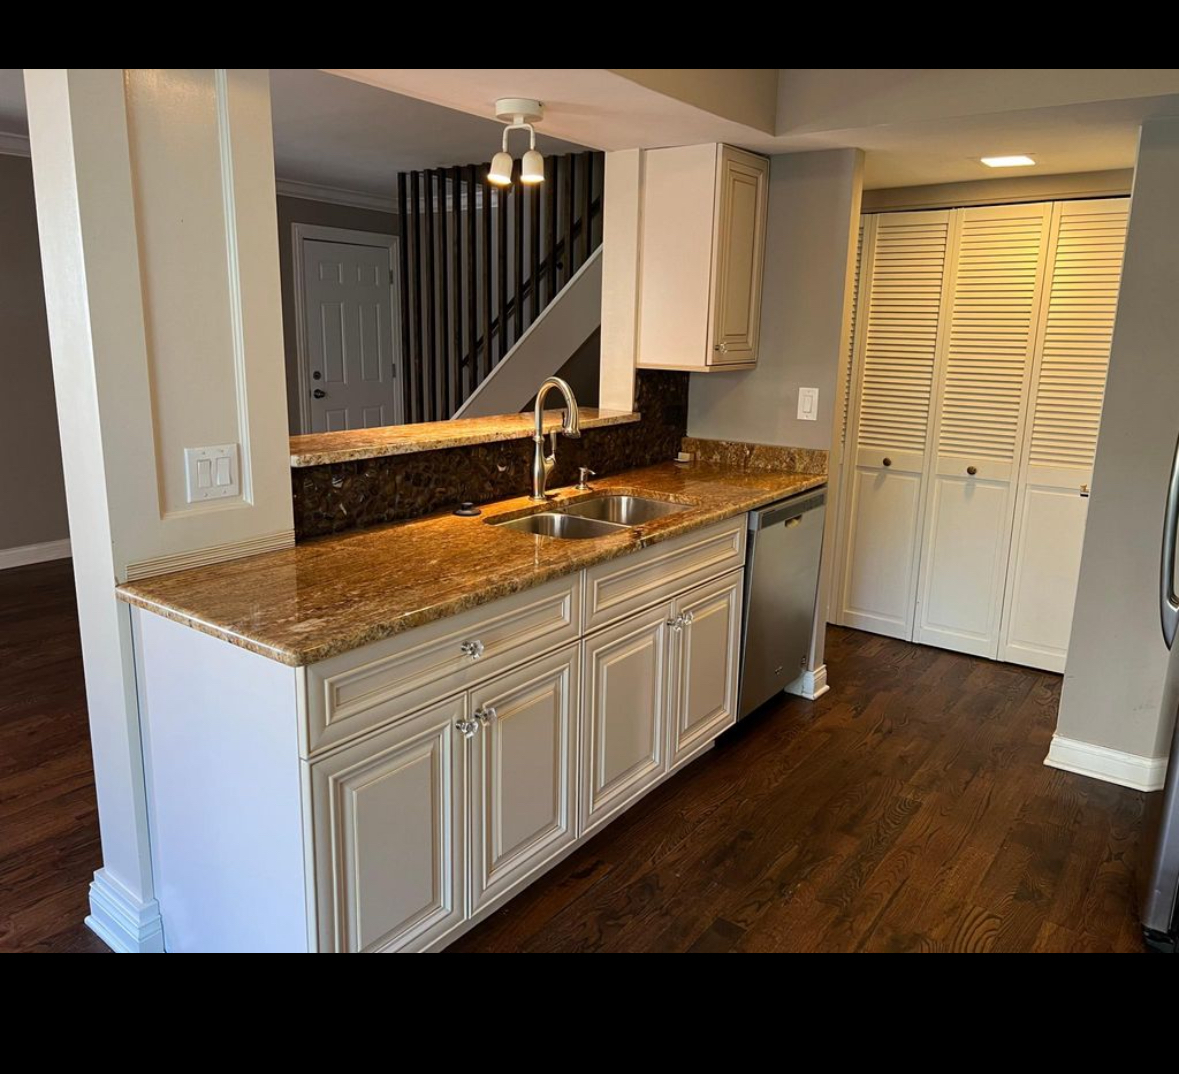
{"points": [[387, 815], [624, 708], [706, 644], [523, 773]]}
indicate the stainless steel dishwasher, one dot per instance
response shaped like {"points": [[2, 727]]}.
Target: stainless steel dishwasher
{"points": [[781, 580]]}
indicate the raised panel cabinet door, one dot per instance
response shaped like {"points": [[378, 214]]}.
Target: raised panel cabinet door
{"points": [[900, 303], [1068, 387], [742, 197], [387, 817], [623, 714], [981, 409], [523, 774], [706, 643]]}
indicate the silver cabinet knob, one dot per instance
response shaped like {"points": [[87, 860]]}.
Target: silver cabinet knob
{"points": [[473, 649], [486, 714], [678, 622], [688, 618], [468, 728]]}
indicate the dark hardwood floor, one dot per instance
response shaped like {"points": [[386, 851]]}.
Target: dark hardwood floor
{"points": [[908, 810], [48, 819]]}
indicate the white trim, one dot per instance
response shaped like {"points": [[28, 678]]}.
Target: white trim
{"points": [[203, 557], [126, 925], [810, 684], [357, 199], [34, 553], [300, 233], [14, 145], [1112, 766], [553, 309]]}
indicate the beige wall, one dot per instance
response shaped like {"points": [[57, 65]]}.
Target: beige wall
{"points": [[747, 95], [1114, 683], [1002, 190], [32, 491], [806, 313], [813, 214], [325, 214]]}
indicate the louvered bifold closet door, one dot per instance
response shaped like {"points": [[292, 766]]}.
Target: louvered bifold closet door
{"points": [[900, 309], [983, 377], [1068, 384]]}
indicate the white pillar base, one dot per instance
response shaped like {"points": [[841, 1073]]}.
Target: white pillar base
{"points": [[121, 921], [1110, 766], [810, 684]]}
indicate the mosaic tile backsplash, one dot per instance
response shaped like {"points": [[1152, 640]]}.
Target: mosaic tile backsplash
{"points": [[350, 495]]}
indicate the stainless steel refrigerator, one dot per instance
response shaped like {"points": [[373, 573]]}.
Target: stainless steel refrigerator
{"points": [[1160, 902]]}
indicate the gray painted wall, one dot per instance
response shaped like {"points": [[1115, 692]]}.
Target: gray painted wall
{"points": [[1116, 689], [301, 211], [32, 491], [813, 214]]}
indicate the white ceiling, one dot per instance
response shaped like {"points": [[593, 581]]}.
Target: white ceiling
{"points": [[346, 133], [335, 132], [917, 127]]}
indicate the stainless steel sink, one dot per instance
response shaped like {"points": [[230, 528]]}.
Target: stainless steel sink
{"points": [[622, 510], [554, 524]]}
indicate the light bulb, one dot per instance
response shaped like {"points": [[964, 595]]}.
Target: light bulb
{"points": [[500, 172], [532, 168]]}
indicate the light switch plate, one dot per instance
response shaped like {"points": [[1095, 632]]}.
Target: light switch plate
{"points": [[213, 473], [808, 404]]}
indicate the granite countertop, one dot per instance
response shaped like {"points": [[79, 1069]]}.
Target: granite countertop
{"points": [[333, 594], [317, 449]]}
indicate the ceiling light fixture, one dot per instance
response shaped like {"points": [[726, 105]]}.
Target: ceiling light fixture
{"points": [[519, 113], [1018, 161]]}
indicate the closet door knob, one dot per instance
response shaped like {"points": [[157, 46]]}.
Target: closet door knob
{"points": [[972, 470], [887, 461]]}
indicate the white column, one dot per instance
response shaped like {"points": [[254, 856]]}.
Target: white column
{"points": [[622, 198], [1118, 704], [155, 205]]}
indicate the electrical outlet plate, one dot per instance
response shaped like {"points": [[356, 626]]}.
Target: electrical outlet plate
{"points": [[808, 404], [213, 473]]}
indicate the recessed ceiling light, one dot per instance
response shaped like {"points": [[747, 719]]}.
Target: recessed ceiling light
{"points": [[1008, 162]]}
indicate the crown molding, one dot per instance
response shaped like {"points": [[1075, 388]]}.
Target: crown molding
{"points": [[14, 145], [293, 188]]}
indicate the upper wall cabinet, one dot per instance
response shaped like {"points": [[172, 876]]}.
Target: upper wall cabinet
{"points": [[702, 252]]}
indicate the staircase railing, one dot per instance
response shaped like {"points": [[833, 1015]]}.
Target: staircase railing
{"points": [[480, 263]]}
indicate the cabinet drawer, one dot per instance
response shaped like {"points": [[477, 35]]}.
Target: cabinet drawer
{"points": [[622, 586], [354, 692]]}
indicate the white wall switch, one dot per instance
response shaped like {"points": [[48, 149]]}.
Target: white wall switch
{"points": [[213, 473], [808, 404]]}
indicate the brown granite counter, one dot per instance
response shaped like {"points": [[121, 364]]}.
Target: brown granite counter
{"points": [[333, 594], [320, 449]]}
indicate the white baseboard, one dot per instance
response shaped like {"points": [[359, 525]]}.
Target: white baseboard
{"points": [[1112, 766], [121, 921], [810, 684], [34, 553]]}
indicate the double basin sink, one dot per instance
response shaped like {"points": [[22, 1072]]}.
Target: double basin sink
{"points": [[598, 516]]}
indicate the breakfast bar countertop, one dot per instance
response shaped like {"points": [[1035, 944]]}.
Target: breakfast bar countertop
{"points": [[333, 594]]}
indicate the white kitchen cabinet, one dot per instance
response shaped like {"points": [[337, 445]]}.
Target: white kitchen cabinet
{"points": [[523, 774], [388, 798], [388, 833], [706, 642], [702, 254], [624, 713]]}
